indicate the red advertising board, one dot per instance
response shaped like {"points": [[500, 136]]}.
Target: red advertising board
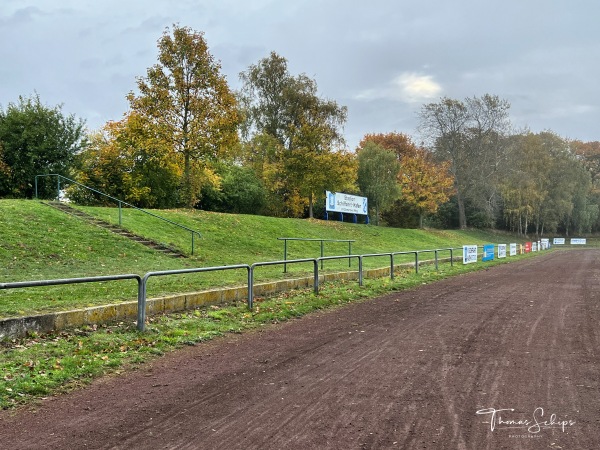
{"points": [[527, 247]]}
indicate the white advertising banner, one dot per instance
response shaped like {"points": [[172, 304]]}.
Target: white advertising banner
{"points": [[513, 249], [558, 241], [578, 241], [346, 203], [534, 247], [545, 244], [469, 254], [501, 250]]}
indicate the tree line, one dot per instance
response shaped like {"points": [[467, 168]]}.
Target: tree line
{"points": [[274, 147]]}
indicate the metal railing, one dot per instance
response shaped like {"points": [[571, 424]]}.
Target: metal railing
{"points": [[119, 202], [143, 281], [141, 313], [322, 241]]}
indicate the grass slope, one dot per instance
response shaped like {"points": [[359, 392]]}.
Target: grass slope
{"points": [[38, 242]]}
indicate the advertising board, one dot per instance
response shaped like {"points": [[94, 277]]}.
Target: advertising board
{"points": [[513, 249], [346, 203], [469, 254], [501, 250], [488, 252], [578, 241]]}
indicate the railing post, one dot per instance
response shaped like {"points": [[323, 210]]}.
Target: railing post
{"points": [[391, 266], [451, 258], [141, 312], [322, 253], [285, 255], [416, 262], [360, 271], [193, 243], [349, 253], [250, 286], [436, 259], [58, 188], [316, 275], [120, 215], [36, 190]]}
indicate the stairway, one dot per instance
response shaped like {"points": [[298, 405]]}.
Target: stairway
{"points": [[168, 251]]}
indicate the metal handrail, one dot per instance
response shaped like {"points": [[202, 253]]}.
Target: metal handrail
{"points": [[141, 313], [118, 201], [322, 241], [274, 263], [142, 281]]}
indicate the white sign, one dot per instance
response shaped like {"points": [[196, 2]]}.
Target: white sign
{"points": [[558, 241], [346, 203], [534, 247], [545, 244], [513, 249], [469, 254], [578, 241], [501, 250]]}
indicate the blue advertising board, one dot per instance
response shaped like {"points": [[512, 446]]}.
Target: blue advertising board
{"points": [[488, 252]]}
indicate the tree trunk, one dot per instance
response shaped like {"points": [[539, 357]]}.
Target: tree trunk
{"points": [[462, 217], [187, 181]]}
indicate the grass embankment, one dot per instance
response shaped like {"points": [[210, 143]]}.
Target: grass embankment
{"points": [[39, 366], [39, 242]]}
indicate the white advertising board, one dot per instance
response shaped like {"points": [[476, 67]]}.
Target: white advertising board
{"points": [[558, 241], [469, 254], [501, 250], [346, 203], [534, 247], [578, 241], [513, 249]]}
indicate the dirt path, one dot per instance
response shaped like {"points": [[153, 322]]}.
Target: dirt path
{"points": [[409, 370]]}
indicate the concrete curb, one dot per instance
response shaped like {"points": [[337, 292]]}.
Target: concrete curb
{"points": [[16, 327]]}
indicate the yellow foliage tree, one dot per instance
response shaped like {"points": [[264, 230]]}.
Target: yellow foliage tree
{"points": [[425, 184]]}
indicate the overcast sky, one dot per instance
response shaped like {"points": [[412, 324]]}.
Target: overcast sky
{"points": [[383, 59]]}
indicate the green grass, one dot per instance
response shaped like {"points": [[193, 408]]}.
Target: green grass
{"points": [[39, 242], [38, 366]]}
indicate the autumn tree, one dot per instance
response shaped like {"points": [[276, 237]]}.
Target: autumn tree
{"points": [[187, 104], [425, 184], [36, 139], [547, 187], [589, 155], [401, 144], [304, 132], [377, 176], [126, 160]]}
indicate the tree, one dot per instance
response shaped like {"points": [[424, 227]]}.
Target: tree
{"points": [[377, 176], [126, 161], [425, 184], [399, 143], [36, 139], [547, 187], [188, 105], [241, 192], [470, 136], [305, 131]]}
